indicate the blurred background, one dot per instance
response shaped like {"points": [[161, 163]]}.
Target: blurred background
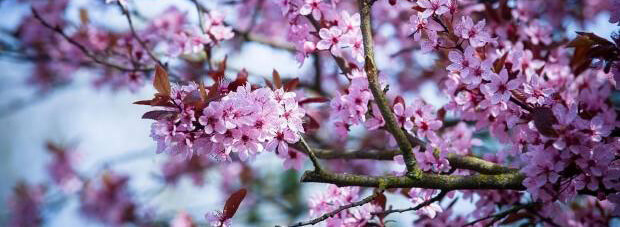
{"points": [[105, 132]]}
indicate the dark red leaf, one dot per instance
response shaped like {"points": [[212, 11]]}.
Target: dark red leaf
{"points": [[269, 84], [313, 100], [276, 79], [161, 82], [515, 217], [202, 91], [291, 84], [159, 114], [159, 100], [242, 79], [232, 204], [311, 124], [544, 120], [499, 63], [380, 201], [143, 102]]}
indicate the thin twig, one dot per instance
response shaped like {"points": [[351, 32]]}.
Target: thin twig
{"points": [[502, 214], [340, 209], [313, 158], [135, 35], [438, 197], [81, 47]]}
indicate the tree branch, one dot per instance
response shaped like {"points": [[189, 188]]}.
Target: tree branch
{"points": [[457, 161], [423, 180], [373, 84]]}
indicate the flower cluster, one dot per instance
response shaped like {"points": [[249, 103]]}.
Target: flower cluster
{"points": [[535, 105], [343, 34], [108, 200], [25, 205], [244, 122], [195, 40]]}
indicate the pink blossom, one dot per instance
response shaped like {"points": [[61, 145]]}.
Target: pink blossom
{"points": [[404, 115], [182, 219], [499, 88], [216, 218], [539, 33], [314, 7], [212, 119], [419, 24], [330, 39], [475, 33], [462, 62], [246, 142], [433, 7]]}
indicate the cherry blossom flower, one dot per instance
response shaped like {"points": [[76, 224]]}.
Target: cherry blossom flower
{"points": [[212, 119], [436, 7], [314, 7], [420, 24], [246, 142], [216, 218], [538, 95], [499, 88], [539, 33], [475, 33], [462, 62], [404, 115], [182, 219], [330, 39]]}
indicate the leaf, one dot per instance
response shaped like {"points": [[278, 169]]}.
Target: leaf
{"points": [[159, 100], [597, 39], [233, 202], [291, 84], [544, 120], [313, 100], [84, 16], [311, 124], [380, 201], [158, 114], [515, 217], [202, 91], [499, 63], [218, 74], [161, 82], [505, 10], [276, 79], [242, 79]]}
